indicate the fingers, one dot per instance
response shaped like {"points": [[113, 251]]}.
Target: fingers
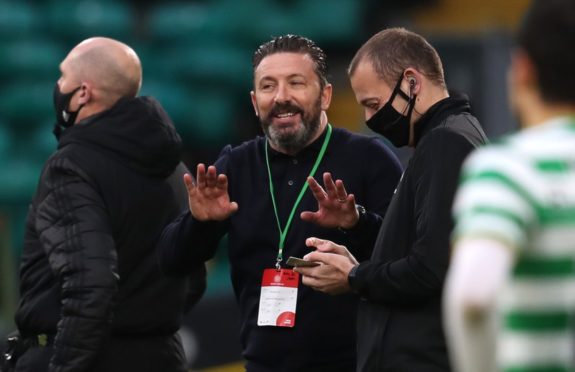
{"points": [[233, 207], [329, 185], [307, 271], [309, 276], [314, 242], [312, 282], [211, 177], [351, 199], [208, 178], [326, 246], [317, 191], [323, 257], [201, 175], [189, 182], [308, 216], [222, 182], [340, 190], [335, 189]]}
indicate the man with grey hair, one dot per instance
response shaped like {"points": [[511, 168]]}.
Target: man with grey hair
{"points": [[90, 284]]}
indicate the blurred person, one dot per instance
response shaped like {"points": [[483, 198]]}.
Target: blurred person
{"points": [[397, 76], [253, 193], [510, 295], [92, 294]]}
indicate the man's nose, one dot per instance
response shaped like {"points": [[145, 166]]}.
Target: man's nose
{"points": [[282, 94]]}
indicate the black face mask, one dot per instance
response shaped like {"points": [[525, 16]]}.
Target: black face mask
{"points": [[390, 123], [64, 118]]}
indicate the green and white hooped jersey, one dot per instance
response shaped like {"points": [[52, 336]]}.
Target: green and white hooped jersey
{"points": [[521, 191]]}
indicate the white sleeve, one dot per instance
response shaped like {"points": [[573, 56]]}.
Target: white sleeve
{"points": [[479, 269]]}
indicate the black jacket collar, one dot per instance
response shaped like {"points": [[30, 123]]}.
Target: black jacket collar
{"points": [[437, 113]]}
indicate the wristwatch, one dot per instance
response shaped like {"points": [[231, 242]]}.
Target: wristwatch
{"points": [[361, 210]]}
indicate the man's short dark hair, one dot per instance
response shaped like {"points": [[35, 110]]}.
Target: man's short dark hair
{"points": [[294, 44], [393, 50], [547, 35]]}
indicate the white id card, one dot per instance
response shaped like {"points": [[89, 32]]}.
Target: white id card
{"points": [[278, 298]]}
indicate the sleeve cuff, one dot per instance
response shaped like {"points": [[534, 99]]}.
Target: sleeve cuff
{"points": [[352, 280], [360, 222]]}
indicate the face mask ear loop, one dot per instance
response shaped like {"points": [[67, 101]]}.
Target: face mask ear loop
{"points": [[411, 105], [67, 108]]}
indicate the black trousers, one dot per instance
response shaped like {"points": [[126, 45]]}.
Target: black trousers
{"points": [[151, 354]]}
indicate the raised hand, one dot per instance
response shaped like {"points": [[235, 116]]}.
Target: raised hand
{"points": [[208, 196], [336, 208]]}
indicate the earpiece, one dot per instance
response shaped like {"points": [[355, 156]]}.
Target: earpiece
{"points": [[412, 83]]}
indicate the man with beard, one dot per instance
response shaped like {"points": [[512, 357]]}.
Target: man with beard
{"points": [[397, 76], [90, 283], [260, 187]]}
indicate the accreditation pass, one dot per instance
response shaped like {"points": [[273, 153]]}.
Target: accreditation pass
{"points": [[278, 298]]}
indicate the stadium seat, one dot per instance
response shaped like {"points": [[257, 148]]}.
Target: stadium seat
{"points": [[219, 21], [5, 141], [213, 115], [222, 64], [18, 180], [202, 116], [27, 104], [30, 59], [333, 22], [40, 143], [170, 22], [174, 98], [74, 21], [17, 19]]}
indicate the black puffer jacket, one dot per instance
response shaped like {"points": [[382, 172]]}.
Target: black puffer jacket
{"points": [[89, 268]]}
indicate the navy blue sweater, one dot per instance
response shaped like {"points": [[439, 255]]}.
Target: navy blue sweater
{"points": [[323, 338]]}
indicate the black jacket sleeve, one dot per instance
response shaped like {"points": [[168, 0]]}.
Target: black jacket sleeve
{"points": [[197, 287], [383, 171], [74, 229], [187, 243], [363, 235], [419, 275]]}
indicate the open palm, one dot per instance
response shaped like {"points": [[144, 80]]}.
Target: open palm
{"points": [[336, 208], [208, 197]]}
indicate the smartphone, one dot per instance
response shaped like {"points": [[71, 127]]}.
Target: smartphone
{"points": [[298, 262]]}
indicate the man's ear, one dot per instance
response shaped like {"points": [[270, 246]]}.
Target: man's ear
{"points": [[326, 96], [84, 94], [254, 103], [412, 79]]}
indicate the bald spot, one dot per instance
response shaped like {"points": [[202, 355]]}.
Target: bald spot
{"points": [[111, 66]]}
